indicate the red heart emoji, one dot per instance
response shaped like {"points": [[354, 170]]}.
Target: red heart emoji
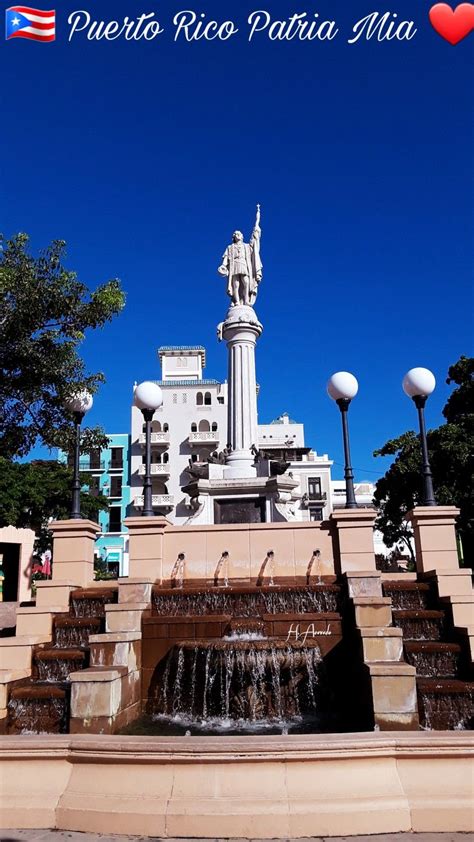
{"points": [[452, 24]]}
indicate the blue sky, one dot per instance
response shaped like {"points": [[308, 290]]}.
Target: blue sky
{"points": [[145, 156]]}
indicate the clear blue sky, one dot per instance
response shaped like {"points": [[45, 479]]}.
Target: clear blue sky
{"points": [[145, 157]]}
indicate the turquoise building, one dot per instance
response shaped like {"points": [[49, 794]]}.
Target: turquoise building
{"points": [[110, 469]]}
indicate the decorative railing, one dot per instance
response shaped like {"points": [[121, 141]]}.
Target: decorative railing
{"points": [[158, 501], [156, 470], [156, 438], [208, 436]]}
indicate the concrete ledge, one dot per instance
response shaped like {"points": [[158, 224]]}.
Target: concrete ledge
{"points": [[266, 787]]}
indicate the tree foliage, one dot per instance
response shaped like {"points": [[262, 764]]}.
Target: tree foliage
{"points": [[44, 313], [33, 493], [451, 453]]}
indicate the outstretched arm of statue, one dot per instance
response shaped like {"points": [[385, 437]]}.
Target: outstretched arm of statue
{"points": [[257, 232], [224, 267]]}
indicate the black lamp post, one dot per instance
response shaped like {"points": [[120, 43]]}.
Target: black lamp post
{"points": [[342, 387], [418, 384], [79, 404], [148, 397]]}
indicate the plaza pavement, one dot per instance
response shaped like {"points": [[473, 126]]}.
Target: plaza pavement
{"points": [[71, 836]]}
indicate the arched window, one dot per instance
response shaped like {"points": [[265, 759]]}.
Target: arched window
{"points": [[199, 399], [194, 457], [214, 427], [155, 427], [204, 426], [207, 399], [165, 458], [166, 428], [194, 428]]}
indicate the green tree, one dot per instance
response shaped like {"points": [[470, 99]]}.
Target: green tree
{"points": [[33, 493], [451, 452], [44, 313]]}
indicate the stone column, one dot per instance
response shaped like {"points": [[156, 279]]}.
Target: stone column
{"points": [[241, 330]]}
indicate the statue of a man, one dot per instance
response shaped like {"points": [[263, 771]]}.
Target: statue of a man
{"points": [[242, 266]]}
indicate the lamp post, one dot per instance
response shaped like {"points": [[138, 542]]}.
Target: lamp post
{"points": [[418, 384], [342, 387], [148, 397], [79, 404]]}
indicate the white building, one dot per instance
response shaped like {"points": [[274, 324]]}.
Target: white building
{"points": [[191, 426]]}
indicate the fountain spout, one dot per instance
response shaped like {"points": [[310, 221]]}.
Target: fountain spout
{"points": [[177, 573], [316, 557], [269, 559], [224, 559]]}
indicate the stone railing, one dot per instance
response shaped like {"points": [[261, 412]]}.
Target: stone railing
{"points": [[156, 438], [158, 501], [156, 470], [203, 437]]}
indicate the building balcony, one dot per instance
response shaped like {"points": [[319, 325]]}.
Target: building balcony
{"points": [[156, 470], [90, 464], [204, 437], [159, 501], [157, 440], [316, 499]]}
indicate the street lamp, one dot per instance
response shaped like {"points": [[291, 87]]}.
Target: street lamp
{"points": [[418, 384], [342, 387], [148, 397], [78, 404]]}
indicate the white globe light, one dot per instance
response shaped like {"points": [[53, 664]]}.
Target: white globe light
{"points": [[342, 386], [419, 382], [148, 395], [80, 402]]}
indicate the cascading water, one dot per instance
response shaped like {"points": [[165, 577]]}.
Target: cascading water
{"points": [[432, 660], [250, 602], [249, 680]]}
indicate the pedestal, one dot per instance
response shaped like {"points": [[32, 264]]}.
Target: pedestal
{"points": [[435, 538], [241, 330], [73, 551], [146, 546], [355, 531]]}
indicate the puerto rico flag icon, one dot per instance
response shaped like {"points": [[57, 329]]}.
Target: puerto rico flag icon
{"points": [[35, 24]]}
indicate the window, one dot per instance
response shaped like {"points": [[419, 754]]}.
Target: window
{"points": [[116, 459], [194, 457], [207, 399], [214, 427], [94, 486], [175, 397], [165, 458], [185, 397], [194, 427], [199, 399], [115, 519], [204, 427], [156, 427], [116, 487], [94, 457], [166, 428], [314, 488], [315, 514]]}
